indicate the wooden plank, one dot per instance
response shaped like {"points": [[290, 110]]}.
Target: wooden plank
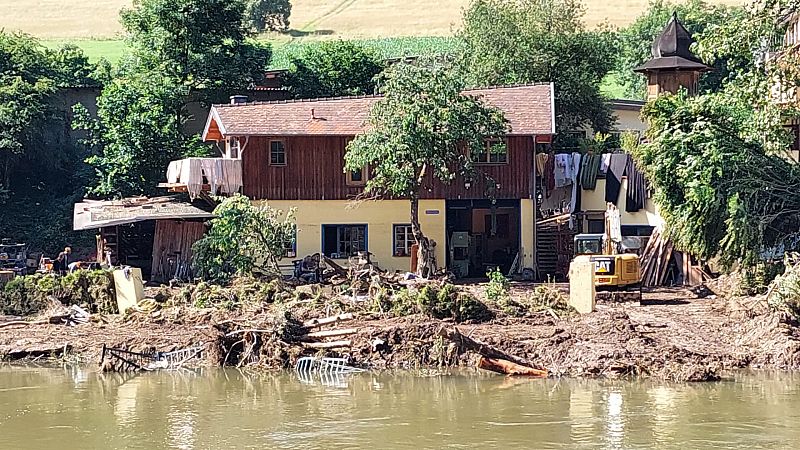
{"points": [[328, 345], [332, 333], [313, 323]]}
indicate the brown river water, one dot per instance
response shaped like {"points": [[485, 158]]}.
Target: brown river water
{"points": [[75, 408]]}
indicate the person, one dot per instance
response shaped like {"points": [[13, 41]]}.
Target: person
{"points": [[61, 263]]}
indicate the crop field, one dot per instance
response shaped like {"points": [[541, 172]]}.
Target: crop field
{"points": [[349, 19]]}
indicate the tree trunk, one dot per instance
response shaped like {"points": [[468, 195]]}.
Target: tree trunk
{"points": [[426, 260]]}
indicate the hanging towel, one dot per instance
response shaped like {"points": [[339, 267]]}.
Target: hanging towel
{"points": [[549, 175], [588, 173], [616, 169], [574, 170], [563, 166], [606, 160], [636, 193], [541, 162]]}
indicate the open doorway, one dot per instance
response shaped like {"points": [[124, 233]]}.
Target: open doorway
{"points": [[482, 235]]}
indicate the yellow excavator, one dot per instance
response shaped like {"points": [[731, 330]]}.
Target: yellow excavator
{"points": [[617, 275]]}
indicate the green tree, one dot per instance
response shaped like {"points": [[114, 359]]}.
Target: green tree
{"points": [[136, 133], [26, 84], [244, 239], [525, 41], [723, 182], [331, 69], [41, 176], [636, 40], [423, 127], [203, 44], [185, 50], [268, 15]]}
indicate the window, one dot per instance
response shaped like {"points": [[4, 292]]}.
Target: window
{"points": [[495, 151], [358, 177], [233, 148], [596, 226], [277, 153], [343, 241], [403, 240], [290, 246]]}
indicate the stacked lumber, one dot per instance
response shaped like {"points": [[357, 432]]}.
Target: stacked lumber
{"points": [[663, 265], [317, 339]]}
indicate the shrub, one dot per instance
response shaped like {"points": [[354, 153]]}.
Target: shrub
{"points": [[448, 302], [31, 294], [497, 289]]}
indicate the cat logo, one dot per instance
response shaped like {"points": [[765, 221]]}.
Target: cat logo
{"points": [[603, 266]]}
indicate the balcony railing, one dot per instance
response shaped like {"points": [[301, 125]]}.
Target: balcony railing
{"points": [[217, 176]]}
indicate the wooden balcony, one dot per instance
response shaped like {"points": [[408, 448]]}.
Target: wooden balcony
{"points": [[204, 176]]}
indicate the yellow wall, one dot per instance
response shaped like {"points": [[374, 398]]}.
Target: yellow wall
{"points": [[379, 216], [595, 201], [629, 120]]}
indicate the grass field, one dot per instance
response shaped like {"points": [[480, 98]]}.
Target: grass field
{"points": [[71, 19]]}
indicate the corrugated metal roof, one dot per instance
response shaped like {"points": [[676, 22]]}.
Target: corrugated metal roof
{"points": [[91, 214]]}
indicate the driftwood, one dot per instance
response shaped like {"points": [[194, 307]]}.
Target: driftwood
{"points": [[509, 368], [51, 320], [487, 351], [313, 323], [332, 333], [328, 345]]}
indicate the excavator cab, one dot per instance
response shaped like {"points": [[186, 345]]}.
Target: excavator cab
{"points": [[589, 244]]}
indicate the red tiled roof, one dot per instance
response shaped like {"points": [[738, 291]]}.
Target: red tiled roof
{"points": [[528, 108]]}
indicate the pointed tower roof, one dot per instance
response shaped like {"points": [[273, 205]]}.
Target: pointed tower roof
{"points": [[671, 50]]}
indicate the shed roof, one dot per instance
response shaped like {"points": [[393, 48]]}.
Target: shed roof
{"points": [[671, 50], [528, 108], [91, 214]]}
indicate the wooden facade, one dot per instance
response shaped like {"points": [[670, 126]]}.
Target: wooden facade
{"points": [[172, 246], [314, 170]]}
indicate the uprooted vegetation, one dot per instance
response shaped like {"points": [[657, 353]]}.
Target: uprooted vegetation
{"points": [[385, 322], [29, 295]]}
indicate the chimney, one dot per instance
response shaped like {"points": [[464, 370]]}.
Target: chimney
{"points": [[238, 99]]}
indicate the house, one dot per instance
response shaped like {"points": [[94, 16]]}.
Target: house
{"points": [[292, 156]]}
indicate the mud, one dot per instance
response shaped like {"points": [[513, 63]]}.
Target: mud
{"points": [[672, 335]]}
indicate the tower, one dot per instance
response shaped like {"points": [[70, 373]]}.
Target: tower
{"points": [[673, 65]]}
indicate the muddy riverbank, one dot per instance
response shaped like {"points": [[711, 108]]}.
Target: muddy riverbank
{"points": [[672, 335]]}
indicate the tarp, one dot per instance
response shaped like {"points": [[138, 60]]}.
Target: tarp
{"points": [[91, 214]]}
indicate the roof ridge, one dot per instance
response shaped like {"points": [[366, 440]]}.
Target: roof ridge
{"points": [[348, 97], [300, 100]]}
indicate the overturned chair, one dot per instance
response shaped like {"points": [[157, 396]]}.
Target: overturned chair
{"points": [[308, 269]]}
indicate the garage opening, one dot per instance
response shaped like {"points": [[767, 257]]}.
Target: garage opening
{"points": [[482, 235]]}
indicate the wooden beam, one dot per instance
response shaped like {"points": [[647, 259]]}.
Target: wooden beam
{"points": [[328, 345], [313, 323]]}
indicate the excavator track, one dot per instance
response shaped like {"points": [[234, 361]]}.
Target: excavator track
{"points": [[619, 296]]}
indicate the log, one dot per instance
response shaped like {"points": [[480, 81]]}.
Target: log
{"points": [[313, 323], [509, 368], [328, 345], [332, 333], [480, 348]]}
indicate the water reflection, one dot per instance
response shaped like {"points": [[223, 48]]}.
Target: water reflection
{"points": [[78, 408]]}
